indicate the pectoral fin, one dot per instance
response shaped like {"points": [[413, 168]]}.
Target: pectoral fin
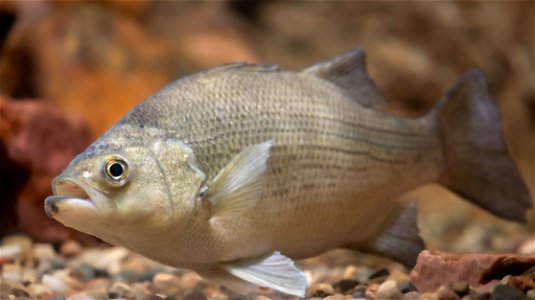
{"points": [[399, 240], [239, 185], [275, 271]]}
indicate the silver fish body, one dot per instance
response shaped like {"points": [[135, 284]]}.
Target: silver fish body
{"points": [[200, 193]]}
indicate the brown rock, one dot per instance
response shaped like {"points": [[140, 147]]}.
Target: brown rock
{"points": [[434, 268], [42, 141], [166, 284], [92, 62]]}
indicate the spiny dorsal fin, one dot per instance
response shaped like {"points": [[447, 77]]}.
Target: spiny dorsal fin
{"points": [[275, 271], [348, 71], [238, 186]]}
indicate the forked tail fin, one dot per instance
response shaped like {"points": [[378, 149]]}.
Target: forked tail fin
{"points": [[478, 165]]}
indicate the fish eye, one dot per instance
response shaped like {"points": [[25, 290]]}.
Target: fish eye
{"points": [[116, 169]]}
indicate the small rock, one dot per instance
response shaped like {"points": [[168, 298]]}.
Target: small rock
{"points": [[461, 288], [70, 248], [371, 291], [14, 252], [189, 280], [320, 290], [411, 296], [40, 291], [350, 272], [98, 287], [406, 286], [195, 294], [444, 293], [29, 276], [528, 247], [119, 290], [55, 284], [167, 284], [23, 242], [505, 292], [43, 251], [531, 294], [11, 272], [346, 285], [522, 283], [359, 292], [336, 296], [70, 281], [487, 287], [262, 297], [140, 290], [389, 290], [83, 273], [379, 276]]}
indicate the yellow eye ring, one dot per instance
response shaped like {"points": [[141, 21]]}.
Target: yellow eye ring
{"points": [[116, 169]]}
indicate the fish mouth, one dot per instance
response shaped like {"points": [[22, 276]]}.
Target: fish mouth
{"points": [[71, 191]]}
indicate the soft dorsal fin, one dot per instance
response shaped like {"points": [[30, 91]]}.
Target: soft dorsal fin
{"points": [[348, 71], [244, 67], [238, 186], [275, 271]]}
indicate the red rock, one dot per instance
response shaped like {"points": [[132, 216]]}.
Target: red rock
{"points": [[434, 268], [40, 141]]}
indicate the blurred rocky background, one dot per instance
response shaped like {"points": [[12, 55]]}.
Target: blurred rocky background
{"points": [[70, 69]]}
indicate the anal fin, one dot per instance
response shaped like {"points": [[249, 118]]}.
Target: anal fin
{"points": [[399, 240]]}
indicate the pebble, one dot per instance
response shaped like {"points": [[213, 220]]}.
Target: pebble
{"points": [[406, 286], [411, 296], [346, 285], [70, 248], [444, 293], [505, 292], [10, 253], [460, 288], [55, 284], [360, 291], [119, 289], [336, 296], [40, 291], [11, 272], [167, 284], [140, 290], [320, 290], [531, 294], [22, 242], [43, 251], [389, 290], [262, 297], [379, 276]]}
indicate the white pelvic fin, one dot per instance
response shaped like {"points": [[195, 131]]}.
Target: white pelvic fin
{"points": [[276, 271], [239, 184], [230, 281]]}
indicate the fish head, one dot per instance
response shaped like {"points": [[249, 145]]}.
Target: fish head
{"points": [[112, 190]]}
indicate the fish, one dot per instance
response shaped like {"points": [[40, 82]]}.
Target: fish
{"points": [[238, 171]]}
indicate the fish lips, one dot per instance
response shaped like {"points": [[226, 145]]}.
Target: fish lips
{"points": [[71, 195]]}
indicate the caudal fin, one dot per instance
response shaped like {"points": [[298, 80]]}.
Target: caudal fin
{"points": [[478, 165]]}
